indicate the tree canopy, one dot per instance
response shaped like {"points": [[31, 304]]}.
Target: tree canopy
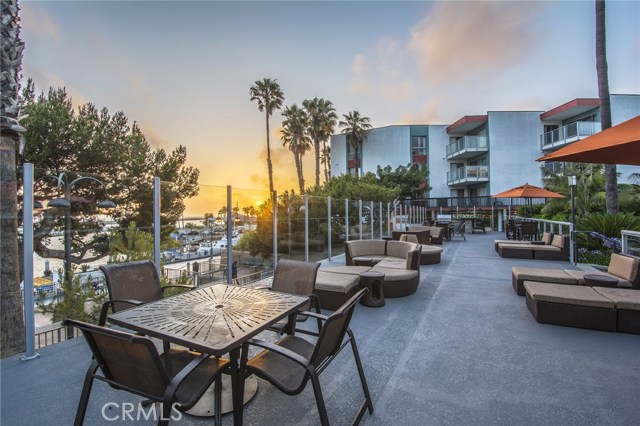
{"points": [[91, 142]]}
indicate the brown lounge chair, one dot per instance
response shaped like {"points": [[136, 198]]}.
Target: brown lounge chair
{"points": [[624, 268], [557, 250]]}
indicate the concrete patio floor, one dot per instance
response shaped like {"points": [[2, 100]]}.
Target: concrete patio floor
{"points": [[463, 350]]}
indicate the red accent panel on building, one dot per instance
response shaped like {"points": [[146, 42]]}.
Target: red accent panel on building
{"points": [[467, 119], [420, 159], [353, 163], [580, 102]]}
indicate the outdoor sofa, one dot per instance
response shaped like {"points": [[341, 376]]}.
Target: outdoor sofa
{"points": [[596, 308], [399, 261], [547, 237], [557, 250], [436, 233], [624, 268], [430, 255]]}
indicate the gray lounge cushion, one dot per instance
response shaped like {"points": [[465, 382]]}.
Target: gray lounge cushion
{"points": [[567, 295], [351, 270], [339, 283], [579, 275], [393, 274], [399, 249], [557, 276], [367, 248], [624, 267], [392, 262], [624, 298]]}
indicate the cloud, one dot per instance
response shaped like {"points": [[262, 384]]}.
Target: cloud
{"points": [[430, 112], [35, 20], [380, 71], [462, 39]]}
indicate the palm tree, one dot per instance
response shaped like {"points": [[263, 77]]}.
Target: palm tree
{"points": [[355, 127], [322, 123], [12, 339], [270, 97], [610, 172], [325, 158], [294, 134]]}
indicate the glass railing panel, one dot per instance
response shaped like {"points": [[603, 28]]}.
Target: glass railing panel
{"points": [[318, 228], [353, 222], [338, 226], [291, 227]]}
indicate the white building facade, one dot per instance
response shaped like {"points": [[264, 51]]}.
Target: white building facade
{"points": [[480, 155]]}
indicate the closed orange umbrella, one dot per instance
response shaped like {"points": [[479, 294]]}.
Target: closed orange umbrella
{"points": [[616, 145]]}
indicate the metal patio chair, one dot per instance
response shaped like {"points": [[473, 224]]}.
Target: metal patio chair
{"points": [[291, 362], [132, 363], [132, 284], [296, 277]]}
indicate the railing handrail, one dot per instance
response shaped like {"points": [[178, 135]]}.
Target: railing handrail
{"points": [[626, 233]]}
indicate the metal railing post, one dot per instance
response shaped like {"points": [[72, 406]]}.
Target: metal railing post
{"points": [[360, 218], [346, 217], [156, 222], [306, 227], [329, 227], [371, 218], [275, 229], [229, 237], [27, 252]]}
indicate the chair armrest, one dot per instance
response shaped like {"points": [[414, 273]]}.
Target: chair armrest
{"points": [[287, 353], [189, 287], [313, 314], [109, 303], [179, 378]]}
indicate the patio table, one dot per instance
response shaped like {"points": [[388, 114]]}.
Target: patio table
{"points": [[216, 320]]}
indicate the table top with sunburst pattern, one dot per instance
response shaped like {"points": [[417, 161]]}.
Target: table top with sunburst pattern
{"points": [[213, 319]]}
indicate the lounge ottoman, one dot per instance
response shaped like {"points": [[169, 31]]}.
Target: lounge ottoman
{"points": [[570, 305], [515, 251], [521, 274], [333, 289], [627, 303]]}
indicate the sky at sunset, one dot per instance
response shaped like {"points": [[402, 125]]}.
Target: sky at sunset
{"points": [[183, 70]]}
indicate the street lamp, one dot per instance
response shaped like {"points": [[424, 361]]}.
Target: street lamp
{"points": [[65, 203], [572, 185]]}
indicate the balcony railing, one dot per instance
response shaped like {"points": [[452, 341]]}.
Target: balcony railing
{"points": [[467, 146], [468, 174], [567, 134]]}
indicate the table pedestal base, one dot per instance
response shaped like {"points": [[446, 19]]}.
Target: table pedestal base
{"points": [[206, 405]]}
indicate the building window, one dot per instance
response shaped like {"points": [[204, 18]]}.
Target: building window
{"points": [[419, 149]]}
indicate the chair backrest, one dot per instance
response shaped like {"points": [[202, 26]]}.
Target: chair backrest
{"points": [[132, 281], [529, 228], [334, 329], [410, 238], [295, 277], [460, 227], [625, 267], [125, 359]]}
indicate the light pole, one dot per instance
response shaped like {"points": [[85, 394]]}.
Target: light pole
{"points": [[572, 185], [65, 203]]}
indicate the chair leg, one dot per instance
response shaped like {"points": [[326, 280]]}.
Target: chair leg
{"points": [[363, 379], [86, 391], [165, 413], [218, 398], [317, 391]]}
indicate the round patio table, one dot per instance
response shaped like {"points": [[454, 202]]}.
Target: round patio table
{"points": [[374, 281]]}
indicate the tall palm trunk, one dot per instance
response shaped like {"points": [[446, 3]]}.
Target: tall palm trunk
{"points": [[316, 145], [12, 338], [269, 165], [610, 170]]}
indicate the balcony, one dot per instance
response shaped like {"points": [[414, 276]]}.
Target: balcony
{"points": [[467, 147], [468, 175], [568, 134], [464, 349]]}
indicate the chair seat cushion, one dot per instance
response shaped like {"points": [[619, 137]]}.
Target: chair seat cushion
{"points": [[579, 275], [196, 383], [557, 276], [337, 282], [350, 270], [624, 298], [279, 370], [541, 247], [566, 295], [392, 262], [393, 274]]}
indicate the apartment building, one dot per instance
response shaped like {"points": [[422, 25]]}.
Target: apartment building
{"points": [[483, 154]]}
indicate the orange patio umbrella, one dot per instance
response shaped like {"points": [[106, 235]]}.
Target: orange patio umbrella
{"points": [[616, 145], [528, 191]]}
